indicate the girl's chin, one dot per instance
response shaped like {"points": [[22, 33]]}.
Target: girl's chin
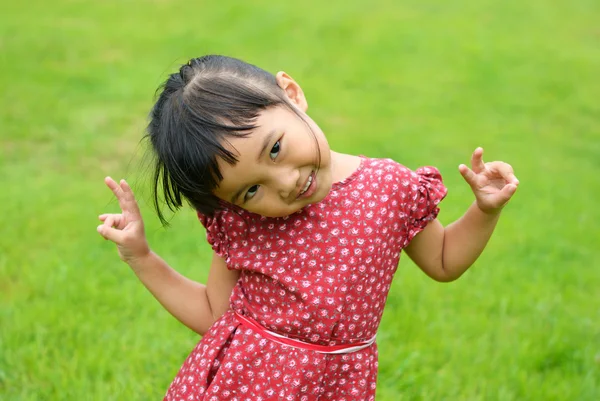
{"points": [[320, 196]]}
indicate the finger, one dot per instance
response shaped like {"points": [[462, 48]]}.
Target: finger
{"points": [[114, 220], [124, 194], [507, 192], [127, 191], [103, 217], [114, 187], [505, 170], [477, 163], [468, 174], [129, 198], [109, 221], [110, 233]]}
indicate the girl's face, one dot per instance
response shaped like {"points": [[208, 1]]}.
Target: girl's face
{"points": [[276, 173]]}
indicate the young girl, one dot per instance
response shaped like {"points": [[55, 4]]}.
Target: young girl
{"points": [[306, 240]]}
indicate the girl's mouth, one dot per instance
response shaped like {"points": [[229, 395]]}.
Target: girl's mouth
{"points": [[309, 187]]}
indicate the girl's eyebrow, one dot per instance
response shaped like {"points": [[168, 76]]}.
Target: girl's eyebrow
{"points": [[266, 142]]}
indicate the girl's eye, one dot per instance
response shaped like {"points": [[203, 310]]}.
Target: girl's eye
{"points": [[275, 150], [251, 192]]}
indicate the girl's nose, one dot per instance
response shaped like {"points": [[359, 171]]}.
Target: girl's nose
{"points": [[287, 182]]}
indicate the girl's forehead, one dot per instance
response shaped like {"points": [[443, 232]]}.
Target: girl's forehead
{"points": [[247, 148], [269, 124]]}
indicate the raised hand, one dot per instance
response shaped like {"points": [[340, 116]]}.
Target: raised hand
{"points": [[493, 183], [125, 229]]}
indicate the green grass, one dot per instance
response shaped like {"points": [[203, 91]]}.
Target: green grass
{"points": [[423, 82]]}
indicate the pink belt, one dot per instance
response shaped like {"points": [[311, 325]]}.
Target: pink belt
{"points": [[323, 349]]}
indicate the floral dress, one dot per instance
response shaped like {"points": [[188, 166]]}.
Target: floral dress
{"points": [[320, 276]]}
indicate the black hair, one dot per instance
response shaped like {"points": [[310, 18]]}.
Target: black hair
{"points": [[210, 99]]}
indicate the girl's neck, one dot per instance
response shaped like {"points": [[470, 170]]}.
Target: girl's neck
{"points": [[343, 165]]}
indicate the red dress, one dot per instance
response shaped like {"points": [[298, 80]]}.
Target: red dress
{"points": [[322, 276]]}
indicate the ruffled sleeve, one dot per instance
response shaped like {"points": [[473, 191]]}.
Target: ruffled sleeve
{"points": [[425, 190], [223, 230]]}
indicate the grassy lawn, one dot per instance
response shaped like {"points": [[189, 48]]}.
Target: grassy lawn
{"points": [[423, 82]]}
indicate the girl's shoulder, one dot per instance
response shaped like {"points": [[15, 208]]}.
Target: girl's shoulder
{"points": [[223, 227], [395, 178], [374, 167]]}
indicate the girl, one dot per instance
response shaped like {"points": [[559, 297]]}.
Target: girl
{"points": [[306, 240]]}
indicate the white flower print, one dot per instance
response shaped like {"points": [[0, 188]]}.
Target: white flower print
{"points": [[321, 275]]}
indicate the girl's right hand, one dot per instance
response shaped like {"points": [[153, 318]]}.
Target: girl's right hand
{"points": [[125, 229]]}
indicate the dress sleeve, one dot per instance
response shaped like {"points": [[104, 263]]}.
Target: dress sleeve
{"points": [[425, 191], [222, 229]]}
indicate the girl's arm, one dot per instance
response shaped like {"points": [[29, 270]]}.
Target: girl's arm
{"points": [[196, 305], [445, 254]]}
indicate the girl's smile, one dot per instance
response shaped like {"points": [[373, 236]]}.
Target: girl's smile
{"points": [[278, 170], [310, 187]]}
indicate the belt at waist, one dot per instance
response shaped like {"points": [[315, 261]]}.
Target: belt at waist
{"points": [[323, 349]]}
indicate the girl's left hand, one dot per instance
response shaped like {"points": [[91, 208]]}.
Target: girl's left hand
{"points": [[493, 183]]}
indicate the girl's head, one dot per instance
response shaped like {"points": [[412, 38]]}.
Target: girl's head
{"points": [[226, 131]]}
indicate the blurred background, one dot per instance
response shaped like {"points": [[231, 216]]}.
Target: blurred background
{"points": [[423, 82]]}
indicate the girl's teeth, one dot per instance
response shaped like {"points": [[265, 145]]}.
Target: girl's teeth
{"points": [[307, 184]]}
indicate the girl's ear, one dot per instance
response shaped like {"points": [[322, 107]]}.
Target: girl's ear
{"points": [[292, 90]]}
